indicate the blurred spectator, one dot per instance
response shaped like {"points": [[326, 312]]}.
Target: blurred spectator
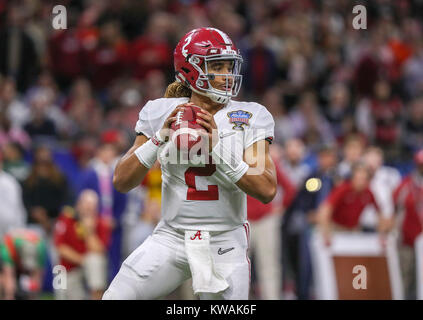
{"points": [[24, 255], [14, 162], [46, 86], [342, 209], [40, 127], [109, 59], [18, 56], [352, 152], [379, 117], [308, 124], [293, 162], [81, 238], [265, 240], [384, 180], [297, 170], [98, 176], [413, 71], [80, 103], [84, 150], [129, 97], [10, 103], [154, 85], [339, 109], [408, 199], [12, 209], [412, 137], [10, 133], [66, 51], [45, 190], [273, 101], [368, 69], [152, 50], [145, 209], [45, 109], [303, 211], [261, 69], [135, 231]]}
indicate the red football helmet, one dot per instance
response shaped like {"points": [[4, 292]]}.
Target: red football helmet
{"points": [[198, 47]]}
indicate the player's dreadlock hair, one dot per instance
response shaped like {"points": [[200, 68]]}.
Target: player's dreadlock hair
{"points": [[177, 90]]}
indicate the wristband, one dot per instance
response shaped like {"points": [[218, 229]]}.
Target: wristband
{"points": [[227, 161], [147, 153]]}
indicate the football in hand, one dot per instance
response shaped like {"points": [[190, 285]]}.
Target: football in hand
{"points": [[186, 130]]}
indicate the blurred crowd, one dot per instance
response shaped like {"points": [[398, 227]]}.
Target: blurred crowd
{"points": [[347, 104]]}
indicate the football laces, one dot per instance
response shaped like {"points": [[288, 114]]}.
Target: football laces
{"points": [[179, 116]]}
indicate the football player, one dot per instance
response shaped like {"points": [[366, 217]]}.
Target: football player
{"points": [[203, 232]]}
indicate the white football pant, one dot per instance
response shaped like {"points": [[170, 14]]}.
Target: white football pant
{"points": [[159, 265]]}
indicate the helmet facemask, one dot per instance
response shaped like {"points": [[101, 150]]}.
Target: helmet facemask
{"points": [[233, 79]]}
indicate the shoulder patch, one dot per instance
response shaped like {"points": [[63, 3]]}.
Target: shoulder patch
{"points": [[239, 118]]}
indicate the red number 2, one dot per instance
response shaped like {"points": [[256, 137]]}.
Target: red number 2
{"points": [[212, 193]]}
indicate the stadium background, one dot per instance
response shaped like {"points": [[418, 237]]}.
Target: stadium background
{"points": [[79, 91]]}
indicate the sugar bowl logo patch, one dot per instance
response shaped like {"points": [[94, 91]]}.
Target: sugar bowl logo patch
{"points": [[239, 118]]}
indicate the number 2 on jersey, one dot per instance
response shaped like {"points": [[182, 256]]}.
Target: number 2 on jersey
{"points": [[212, 192]]}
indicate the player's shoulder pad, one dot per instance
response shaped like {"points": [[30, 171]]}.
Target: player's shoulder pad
{"points": [[159, 107], [153, 114], [260, 116]]}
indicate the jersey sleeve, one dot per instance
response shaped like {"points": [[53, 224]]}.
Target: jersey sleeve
{"points": [[150, 119], [261, 128]]}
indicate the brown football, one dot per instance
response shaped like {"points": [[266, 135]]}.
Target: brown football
{"points": [[186, 129]]}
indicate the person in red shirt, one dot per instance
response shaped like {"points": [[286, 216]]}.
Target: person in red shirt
{"points": [[265, 243], [66, 56], [81, 238], [110, 58], [344, 205], [408, 200], [152, 51]]}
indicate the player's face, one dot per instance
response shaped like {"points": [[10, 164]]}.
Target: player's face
{"points": [[221, 82]]}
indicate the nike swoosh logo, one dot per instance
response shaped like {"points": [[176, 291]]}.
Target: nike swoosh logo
{"points": [[222, 135], [220, 251]]}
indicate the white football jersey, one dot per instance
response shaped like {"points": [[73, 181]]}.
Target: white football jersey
{"points": [[200, 196]]}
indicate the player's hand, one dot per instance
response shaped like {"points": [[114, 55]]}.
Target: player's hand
{"points": [[207, 121], [165, 130]]}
